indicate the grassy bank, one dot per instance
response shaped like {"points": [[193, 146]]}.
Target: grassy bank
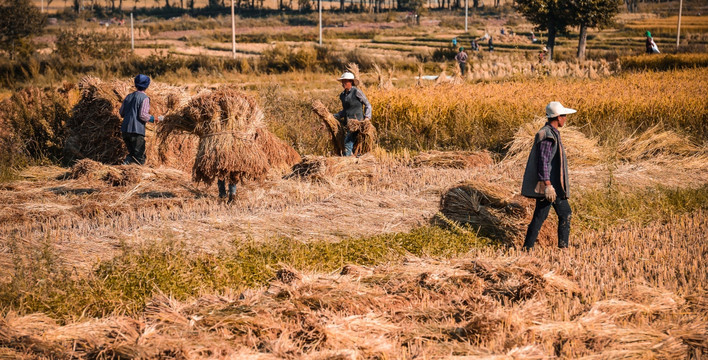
{"points": [[42, 284]]}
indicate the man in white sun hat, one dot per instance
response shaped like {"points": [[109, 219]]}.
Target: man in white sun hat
{"points": [[546, 177], [355, 105]]}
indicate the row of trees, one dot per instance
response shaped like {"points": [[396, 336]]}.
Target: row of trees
{"points": [[556, 16]]}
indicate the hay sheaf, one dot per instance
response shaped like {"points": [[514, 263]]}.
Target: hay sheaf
{"points": [[335, 128], [453, 159], [365, 135], [120, 175], [329, 169], [94, 127], [494, 210], [580, 149], [233, 141]]}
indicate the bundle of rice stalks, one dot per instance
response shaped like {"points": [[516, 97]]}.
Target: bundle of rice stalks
{"points": [[354, 69], [366, 132], [384, 79], [580, 149], [365, 135], [442, 78], [94, 127], [335, 128], [330, 169], [492, 209], [457, 75], [233, 141], [453, 159], [89, 170], [654, 142]]}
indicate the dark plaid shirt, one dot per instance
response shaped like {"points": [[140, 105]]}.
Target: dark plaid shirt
{"points": [[545, 149]]}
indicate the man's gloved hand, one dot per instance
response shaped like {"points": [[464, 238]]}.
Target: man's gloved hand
{"points": [[160, 118], [550, 193]]}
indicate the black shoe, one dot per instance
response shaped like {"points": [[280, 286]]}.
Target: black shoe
{"points": [[232, 198]]}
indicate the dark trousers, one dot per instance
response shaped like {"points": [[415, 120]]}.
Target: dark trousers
{"points": [[221, 184], [562, 208], [463, 68], [136, 148]]}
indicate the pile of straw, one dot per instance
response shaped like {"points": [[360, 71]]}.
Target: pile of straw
{"points": [[366, 132], [453, 159], [655, 142], [233, 141], [89, 170], [493, 210], [94, 127], [580, 149], [330, 169]]}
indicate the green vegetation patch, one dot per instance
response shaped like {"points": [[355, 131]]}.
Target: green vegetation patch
{"points": [[126, 282]]}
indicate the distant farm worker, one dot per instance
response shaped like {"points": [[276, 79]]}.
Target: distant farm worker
{"points": [[355, 106], [135, 111], [542, 55], [491, 43], [461, 58], [651, 45], [454, 42], [546, 177]]}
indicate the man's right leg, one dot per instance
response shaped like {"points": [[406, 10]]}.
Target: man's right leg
{"points": [[221, 184], [540, 213], [562, 208], [349, 139]]}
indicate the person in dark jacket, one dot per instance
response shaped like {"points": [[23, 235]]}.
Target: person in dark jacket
{"points": [[355, 105], [135, 111], [546, 177]]}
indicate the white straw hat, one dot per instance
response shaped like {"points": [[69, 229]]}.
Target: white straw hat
{"points": [[555, 109], [349, 76]]}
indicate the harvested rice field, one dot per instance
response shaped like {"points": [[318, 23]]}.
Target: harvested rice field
{"points": [[410, 249]]}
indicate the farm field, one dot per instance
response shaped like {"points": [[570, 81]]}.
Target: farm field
{"points": [[412, 250]]}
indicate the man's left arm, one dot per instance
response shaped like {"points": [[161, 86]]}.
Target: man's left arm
{"points": [[367, 106], [145, 111]]}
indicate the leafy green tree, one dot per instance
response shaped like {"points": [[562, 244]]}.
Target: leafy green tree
{"points": [[591, 14], [548, 15], [19, 21]]}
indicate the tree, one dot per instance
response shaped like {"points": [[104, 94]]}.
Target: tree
{"points": [[19, 21], [550, 15], [591, 14]]}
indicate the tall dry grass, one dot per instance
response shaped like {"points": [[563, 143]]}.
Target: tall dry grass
{"points": [[485, 115]]}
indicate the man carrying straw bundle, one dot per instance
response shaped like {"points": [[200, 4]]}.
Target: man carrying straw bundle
{"points": [[546, 177], [355, 106], [135, 111]]}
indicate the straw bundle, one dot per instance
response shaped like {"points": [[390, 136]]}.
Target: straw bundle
{"points": [[442, 78], [384, 79], [233, 141], [580, 149], [365, 135], [89, 170], [328, 169], [335, 128], [453, 159], [354, 69], [655, 142], [492, 209], [94, 127]]}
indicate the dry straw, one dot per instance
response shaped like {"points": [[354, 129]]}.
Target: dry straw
{"points": [[453, 159], [233, 141]]}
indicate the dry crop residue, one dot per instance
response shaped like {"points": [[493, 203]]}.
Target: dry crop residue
{"points": [[615, 295]]}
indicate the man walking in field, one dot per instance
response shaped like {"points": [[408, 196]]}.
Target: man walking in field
{"points": [[355, 106], [135, 111], [546, 177], [461, 58]]}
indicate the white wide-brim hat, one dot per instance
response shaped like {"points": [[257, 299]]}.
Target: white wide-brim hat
{"points": [[555, 109], [349, 76]]}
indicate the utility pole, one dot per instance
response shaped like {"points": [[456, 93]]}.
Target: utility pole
{"points": [[233, 29], [466, 11], [132, 34], [678, 27], [320, 2], [42, 6]]}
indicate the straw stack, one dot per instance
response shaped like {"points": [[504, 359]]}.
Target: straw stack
{"points": [[233, 141]]}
